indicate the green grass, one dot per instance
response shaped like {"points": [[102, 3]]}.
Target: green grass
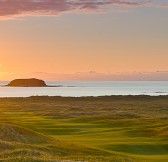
{"points": [[116, 129]]}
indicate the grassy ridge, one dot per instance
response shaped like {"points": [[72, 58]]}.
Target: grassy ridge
{"points": [[116, 128]]}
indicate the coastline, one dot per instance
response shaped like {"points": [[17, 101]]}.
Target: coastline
{"points": [[95, 97], [87, 88]]}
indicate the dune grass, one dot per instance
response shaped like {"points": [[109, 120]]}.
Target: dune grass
{"points": [[114, 128]]}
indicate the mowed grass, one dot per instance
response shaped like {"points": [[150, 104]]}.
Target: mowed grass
{"points": [[114, 128]]}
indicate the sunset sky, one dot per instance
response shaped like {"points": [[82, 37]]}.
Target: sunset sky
{"points": [[84, 39]]}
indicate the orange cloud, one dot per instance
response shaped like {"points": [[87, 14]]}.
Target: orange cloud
{"points": [[92, 75]]}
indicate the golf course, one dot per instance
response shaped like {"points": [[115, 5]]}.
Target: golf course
{"points": [[84, 129]]}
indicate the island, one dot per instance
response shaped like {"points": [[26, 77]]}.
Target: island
{"points": [[32, 82]]}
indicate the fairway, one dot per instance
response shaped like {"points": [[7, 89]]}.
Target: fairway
{"points": [[114, 128]]}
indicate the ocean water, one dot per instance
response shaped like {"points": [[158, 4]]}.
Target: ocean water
{"points": [[88, 88]]}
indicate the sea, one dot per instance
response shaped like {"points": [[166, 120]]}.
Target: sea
{"points": [[88, 88]]}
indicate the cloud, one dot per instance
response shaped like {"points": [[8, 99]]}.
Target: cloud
{"points": [[93, 75], [15, 8], [164, 5]]}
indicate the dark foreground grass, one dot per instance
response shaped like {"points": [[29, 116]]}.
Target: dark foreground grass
{"points": [[115, 128]]}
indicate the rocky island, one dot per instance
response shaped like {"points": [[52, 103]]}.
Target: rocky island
{"points": [[33, 82]]}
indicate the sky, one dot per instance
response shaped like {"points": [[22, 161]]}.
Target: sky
{"points": [[84, 39]]}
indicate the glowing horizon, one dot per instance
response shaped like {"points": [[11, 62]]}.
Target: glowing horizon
{"points": [[94, 40]]}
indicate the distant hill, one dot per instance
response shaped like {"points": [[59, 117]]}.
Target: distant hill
{"points": [[33, 82]]}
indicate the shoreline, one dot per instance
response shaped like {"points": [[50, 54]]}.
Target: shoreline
{"points": [[85, 89], [105, 96]]}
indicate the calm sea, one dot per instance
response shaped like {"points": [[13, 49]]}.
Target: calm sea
{"points": [[88, 88]]}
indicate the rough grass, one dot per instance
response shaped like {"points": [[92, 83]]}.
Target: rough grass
{"points": [[115, 128]]}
